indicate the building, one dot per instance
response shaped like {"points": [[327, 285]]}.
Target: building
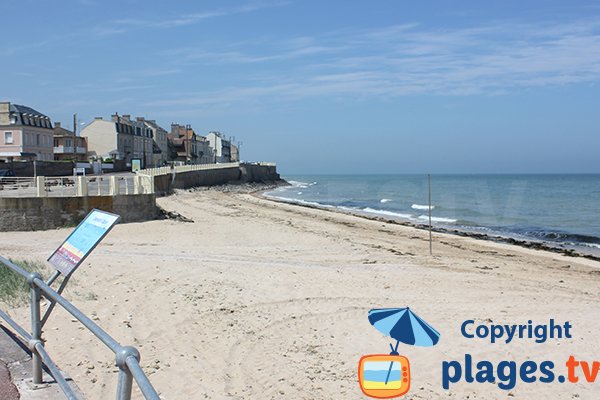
{"points": [[205, 152], [221, 147], [25, 134], [188, 147], [119, 139], [160, 146], [143, 148], [235, 153], [68, 146], [107, 141]]}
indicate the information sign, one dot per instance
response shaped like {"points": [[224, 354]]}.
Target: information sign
{"points": [[82, 241]]}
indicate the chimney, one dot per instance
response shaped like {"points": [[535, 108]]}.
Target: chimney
{"points": [[140, 119], [56, 124], [115, 117], [97, 118], [126, 117]]}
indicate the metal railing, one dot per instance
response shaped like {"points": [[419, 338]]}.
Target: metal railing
{"points": [[127, 358], [13, 186], [76, 186], [185, 168]]}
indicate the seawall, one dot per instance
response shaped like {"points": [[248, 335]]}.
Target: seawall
{"points": [[39, 213], [244, 173]]}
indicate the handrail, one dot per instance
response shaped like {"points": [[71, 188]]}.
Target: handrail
{"points": [[126, 357], [185, 168], [77, 186]]}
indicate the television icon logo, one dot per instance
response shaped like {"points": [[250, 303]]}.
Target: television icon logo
{"points": [[383, 376]]}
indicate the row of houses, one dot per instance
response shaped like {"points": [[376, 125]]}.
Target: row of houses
{"points": [[26, 134]]}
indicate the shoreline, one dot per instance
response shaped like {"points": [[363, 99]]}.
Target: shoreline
{"points": [[528, 244]]}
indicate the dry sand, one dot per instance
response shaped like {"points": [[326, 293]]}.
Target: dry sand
{"points": [[261, 300]]}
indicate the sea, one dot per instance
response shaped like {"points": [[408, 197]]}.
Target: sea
{"points": [[559, 210]]}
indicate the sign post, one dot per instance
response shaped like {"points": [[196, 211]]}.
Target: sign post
{"points": [[78, 245]]}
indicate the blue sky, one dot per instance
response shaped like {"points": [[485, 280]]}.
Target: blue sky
{"points": [[385, 86]]}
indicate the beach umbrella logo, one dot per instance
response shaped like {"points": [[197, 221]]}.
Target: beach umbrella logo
{"points": [[385, 376]]}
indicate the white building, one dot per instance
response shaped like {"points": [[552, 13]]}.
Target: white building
{"points": [[119, 139], [221, 147]]}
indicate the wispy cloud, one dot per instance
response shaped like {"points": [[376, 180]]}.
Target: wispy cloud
{"points": [[123, 25], [408, 59]]}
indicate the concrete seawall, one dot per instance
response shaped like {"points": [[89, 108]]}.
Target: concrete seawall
{"points": [[244, 173], [39, 213]]}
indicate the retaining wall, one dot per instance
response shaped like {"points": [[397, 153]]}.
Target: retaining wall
{"points": [[245, 173], [38, 213]]}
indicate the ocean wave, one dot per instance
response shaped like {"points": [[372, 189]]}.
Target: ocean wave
{"points": [[437, 219], [299, 201], [385, 200], [566, 238], [592, 245], [301, 185], [387, 213], [421, 207]]}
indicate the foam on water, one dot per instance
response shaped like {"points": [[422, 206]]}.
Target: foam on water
{"points": [[421, 207], [387, 213], [437, 219]]}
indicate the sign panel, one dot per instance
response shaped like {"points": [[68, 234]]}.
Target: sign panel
{"points": [[136, 165], [82, 241]]}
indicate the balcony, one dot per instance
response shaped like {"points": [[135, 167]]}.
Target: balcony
{"points": [[69, 150], [63, 150]]}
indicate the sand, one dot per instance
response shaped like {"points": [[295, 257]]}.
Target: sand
{"points": [[259, 300]]}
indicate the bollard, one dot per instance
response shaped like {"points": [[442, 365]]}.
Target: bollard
{"points": [[40, 183], [114, 186], [82, 186], [137, 185]]}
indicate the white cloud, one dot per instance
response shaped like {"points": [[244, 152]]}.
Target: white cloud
{"points": [[123, 25], [404, 60]]}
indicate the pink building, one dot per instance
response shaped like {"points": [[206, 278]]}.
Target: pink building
{"points": [[25, 134]]}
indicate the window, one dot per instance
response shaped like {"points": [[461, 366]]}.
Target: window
{"points": [[68, 142], [37, 139], [8, 138]]}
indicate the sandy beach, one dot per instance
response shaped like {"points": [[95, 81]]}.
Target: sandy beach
{"points": [[261, 300]]}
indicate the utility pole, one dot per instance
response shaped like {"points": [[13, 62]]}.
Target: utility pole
{"points": [[429, 192]]}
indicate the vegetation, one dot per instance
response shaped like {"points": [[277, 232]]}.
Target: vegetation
{"points": [[14, 289]]}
